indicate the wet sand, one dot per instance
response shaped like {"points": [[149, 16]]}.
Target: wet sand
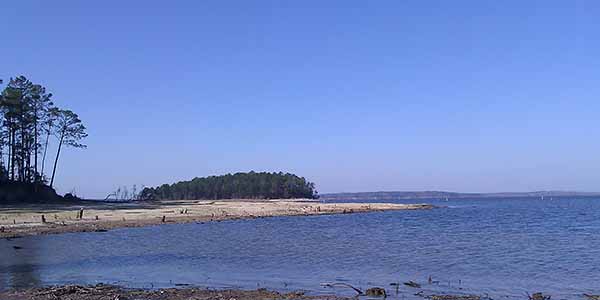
{"points": [[36, 219]]}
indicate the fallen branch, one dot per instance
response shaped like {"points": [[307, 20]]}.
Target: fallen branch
{"points": [[202, 203], [331, 285], [413, 284]]}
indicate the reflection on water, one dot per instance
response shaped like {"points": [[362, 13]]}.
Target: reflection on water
{"points": [[500, 247], [20, 272]]}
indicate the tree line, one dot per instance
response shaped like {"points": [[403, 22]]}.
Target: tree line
{"points": [[29, 121], [252, 185]]}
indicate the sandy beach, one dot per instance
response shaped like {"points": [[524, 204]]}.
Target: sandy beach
{"points": [[23, 220]]}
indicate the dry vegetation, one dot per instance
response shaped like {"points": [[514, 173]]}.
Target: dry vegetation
{"points": [[107, 292]]}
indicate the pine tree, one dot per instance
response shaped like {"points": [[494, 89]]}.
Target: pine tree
{"points": [[70, 132]]}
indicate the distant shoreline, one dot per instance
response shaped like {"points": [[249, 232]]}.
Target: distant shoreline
{"points": [[23, 220], [407, 195]]}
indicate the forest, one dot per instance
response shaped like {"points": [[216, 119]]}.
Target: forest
{"points": [[251, 185], [30, 122]]}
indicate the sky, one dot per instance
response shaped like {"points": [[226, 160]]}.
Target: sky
{"points": [[466, 96]]}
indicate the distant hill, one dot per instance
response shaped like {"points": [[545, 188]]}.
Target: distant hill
{"points": [[450, 195]]}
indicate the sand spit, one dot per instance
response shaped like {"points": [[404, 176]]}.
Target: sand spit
{"points": [[23, 220]]}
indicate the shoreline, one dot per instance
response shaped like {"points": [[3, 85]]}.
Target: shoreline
{"points": [[115, 292], [104, 292], [26, 220]]}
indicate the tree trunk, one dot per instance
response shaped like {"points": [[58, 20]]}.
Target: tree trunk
{"points": [[23, 157], [13, 156], [45, 150], [28, 161], [35, 147], [9, 154], [56, 160]]}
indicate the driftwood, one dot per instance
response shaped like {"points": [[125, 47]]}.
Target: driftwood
{"points": [[331, 285], [376, 292], [592, 297], [111, 195], [538, 296], [413, 284]]}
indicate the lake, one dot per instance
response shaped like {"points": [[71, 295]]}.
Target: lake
{"points": [[500, 247]]}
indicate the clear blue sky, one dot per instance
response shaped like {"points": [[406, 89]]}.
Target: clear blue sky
{"points": [[354, 95]]}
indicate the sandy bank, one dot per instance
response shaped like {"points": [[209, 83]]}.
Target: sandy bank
{"points": [[29, 219]]}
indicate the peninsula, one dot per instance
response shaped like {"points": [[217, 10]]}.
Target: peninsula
{"points": [[19, 220]]}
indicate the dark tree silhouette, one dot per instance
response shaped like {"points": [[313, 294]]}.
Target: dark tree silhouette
{"points": [[250, 185], [29, 116], [70, 131]]}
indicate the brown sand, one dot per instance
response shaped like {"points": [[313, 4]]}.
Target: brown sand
{"points": [[27, 219]]}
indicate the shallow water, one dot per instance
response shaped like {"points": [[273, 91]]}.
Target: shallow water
{"points": [[500, 247]]}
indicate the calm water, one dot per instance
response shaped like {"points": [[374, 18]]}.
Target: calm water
{"points": [[502, 247]]}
